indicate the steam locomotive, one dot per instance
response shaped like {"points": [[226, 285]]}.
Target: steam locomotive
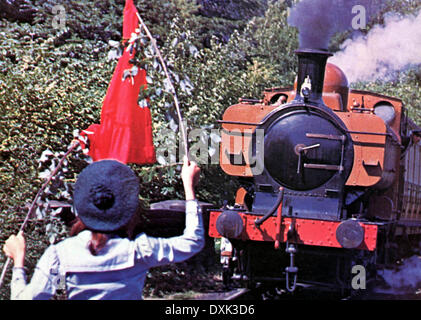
{"points": [[330, 179]]}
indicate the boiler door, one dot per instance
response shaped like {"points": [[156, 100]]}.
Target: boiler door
{"points": [[295, 155]]}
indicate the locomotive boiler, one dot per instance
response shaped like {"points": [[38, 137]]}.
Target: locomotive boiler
{"points": [[330, 179]]}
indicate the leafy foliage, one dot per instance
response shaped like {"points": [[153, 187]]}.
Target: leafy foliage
{"points": [[52, 81], [407, 87]]}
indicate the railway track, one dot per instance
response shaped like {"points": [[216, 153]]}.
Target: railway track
{"points": [[235, 294], [274, 293]]}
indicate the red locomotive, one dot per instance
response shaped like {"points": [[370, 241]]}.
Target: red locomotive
{"points": [[330, 178]]}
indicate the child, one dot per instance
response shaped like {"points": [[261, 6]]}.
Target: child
{"points": [[101, 262]]}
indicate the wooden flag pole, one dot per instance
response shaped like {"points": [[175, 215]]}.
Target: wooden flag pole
{"points": [[74, 144], [174, 94]]}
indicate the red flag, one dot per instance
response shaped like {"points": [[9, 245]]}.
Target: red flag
{"points": [[125, 132]]}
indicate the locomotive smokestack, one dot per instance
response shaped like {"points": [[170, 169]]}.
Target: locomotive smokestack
{"points": [[311, 74]]}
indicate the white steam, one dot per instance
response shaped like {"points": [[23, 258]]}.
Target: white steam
{"points": [[386, 49], [406, 277]]}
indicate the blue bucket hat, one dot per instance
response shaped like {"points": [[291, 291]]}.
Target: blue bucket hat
{"points": [[106, 195]]}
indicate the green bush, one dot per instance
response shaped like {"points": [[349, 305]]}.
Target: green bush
{"points": [[53, 81]]}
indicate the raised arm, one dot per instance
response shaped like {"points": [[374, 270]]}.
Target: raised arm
{"points": [[160, 251], [190, 176]]}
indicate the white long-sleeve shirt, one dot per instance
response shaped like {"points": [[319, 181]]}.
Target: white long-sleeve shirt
{"points": [[117, 272]]}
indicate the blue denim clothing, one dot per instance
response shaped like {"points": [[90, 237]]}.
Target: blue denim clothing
{"points": [[117, 272]]}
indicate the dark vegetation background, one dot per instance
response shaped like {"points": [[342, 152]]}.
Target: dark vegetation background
{"points": [[53, 81]]}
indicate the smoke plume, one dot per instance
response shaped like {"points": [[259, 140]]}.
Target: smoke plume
{"points": [[318, 20], [406, 278], [392, 47]]}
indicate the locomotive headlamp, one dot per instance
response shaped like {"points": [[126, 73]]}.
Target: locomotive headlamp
{"points": [[385, 111], [229, 224], [350, 234]]}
